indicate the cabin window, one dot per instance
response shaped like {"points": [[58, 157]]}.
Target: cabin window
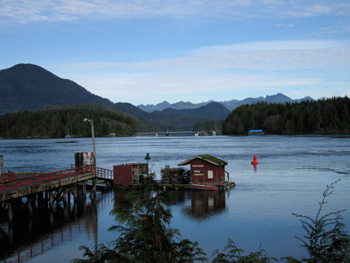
{"points": [[210, 174]]}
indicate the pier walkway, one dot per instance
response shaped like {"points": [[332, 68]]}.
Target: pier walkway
{"points": [[42, 189], [14, 185]]}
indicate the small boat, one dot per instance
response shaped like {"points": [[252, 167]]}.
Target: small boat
{"points": [[206, 187], [213, 187]]}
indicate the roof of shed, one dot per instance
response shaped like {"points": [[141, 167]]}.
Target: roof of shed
{"points": [[208, 158]]}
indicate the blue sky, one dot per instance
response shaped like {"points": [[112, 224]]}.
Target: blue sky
{"points": [[148, 51]]}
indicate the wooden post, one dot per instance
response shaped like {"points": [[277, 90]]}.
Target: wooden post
{"points": [[75, 192], [40, 199], [94, 181], [51, 199], [10, 212], [84, 189], [69, 192], [46, 195], [65, 192], [30, 204]]}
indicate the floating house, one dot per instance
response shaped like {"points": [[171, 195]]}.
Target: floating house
{"points": [[206, 169], [129, 173]]}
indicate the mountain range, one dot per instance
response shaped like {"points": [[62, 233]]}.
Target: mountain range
{"points": [[28, 87], [230, 105]]}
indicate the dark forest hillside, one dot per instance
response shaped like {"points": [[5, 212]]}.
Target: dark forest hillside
{"points": [[30, 87], [57, 122], [213, 109], [27, 87], [323, 116]]}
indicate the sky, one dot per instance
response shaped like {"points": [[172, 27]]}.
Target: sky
{"points": [[148, 51]]}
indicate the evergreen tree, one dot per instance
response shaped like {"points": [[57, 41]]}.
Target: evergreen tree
{"points": [[145, 235], [323, 116]]}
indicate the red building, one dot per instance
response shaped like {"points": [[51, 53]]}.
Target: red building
{"points": [[206, 169], [129, 173]]}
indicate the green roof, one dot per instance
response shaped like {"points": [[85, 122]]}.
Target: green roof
{"points": [[208, 158]]}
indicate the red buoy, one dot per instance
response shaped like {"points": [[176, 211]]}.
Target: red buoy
{"points": [[255, 162]]}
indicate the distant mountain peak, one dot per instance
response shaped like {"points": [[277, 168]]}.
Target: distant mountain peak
{"points": [[212, 110], [230, 104]]}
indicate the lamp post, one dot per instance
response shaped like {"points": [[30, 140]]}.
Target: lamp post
{"points": [[94, 151]]}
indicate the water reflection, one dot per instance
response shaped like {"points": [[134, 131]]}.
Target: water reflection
{"points": [[28, 237], [205, 204]]}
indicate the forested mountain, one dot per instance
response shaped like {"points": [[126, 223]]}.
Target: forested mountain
{"points": [[30, 87], [181, 105], [213, 109], [57, 122], [322, 116], [171, 120], [27, 87]]}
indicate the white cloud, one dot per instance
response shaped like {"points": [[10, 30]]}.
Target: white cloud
{"points": [[340, 28], [285, 25], [264, 56], [319, 9], [25, 11], [261, 66]]}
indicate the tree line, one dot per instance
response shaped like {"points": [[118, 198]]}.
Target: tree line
{"points": [[321, 116], [58, 123]]}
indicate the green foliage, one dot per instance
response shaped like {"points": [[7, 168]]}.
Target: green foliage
{"points": [[58, 122], [235, 255], [325, 240], [145, 235], [322, 116]]}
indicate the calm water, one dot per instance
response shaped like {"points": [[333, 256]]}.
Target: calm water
{"points": [[291, 177]]}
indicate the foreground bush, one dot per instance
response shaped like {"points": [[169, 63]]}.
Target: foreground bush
{"points": [[146, 236], [325, 239]]}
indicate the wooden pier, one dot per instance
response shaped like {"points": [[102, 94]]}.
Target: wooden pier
{"points": [[43, 189]]}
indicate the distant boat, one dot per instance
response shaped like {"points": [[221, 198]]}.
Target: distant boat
{"points": [[68, 135], [201, 134], [212, 133]]}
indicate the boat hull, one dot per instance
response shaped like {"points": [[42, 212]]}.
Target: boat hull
{"points": [[204, 187], [209, 187]]}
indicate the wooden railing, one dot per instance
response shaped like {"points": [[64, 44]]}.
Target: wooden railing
{"points": [[103, 173], [7, 176], [18, 183]]}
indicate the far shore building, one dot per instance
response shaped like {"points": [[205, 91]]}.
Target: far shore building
{"points": [[206, 169]]}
